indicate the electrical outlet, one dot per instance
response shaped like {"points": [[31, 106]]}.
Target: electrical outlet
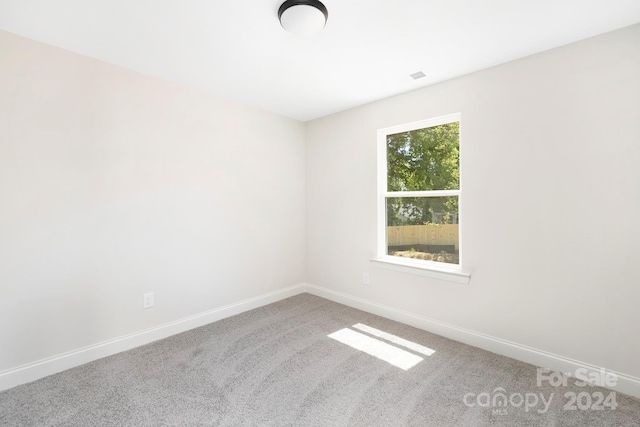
{"points": [[365, 278], [147, 300]]}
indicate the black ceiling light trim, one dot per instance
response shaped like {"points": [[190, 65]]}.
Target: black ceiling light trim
{"points": [[315, 3]]}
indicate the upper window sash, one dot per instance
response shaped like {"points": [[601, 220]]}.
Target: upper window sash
{"points": [[407, 127]]}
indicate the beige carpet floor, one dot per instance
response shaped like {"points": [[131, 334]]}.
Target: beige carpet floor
{"points": [[278, 366]]}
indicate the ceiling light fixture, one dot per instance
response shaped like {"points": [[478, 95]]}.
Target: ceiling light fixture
{"points": [[303, 17]]}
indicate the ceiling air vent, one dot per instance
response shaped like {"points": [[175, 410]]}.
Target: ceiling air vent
{"points": [[417, 75]]}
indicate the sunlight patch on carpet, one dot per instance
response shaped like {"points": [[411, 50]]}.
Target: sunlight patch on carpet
{"points": [[380, 349], [395, 339]]}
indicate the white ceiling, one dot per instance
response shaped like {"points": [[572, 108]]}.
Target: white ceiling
{"points": [[237, 49]]}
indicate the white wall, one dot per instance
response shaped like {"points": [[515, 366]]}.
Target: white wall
{"points": [[113, 184], [550, 207]]}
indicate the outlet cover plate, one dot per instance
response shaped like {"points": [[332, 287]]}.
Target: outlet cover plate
{"points": [[147, 300]]}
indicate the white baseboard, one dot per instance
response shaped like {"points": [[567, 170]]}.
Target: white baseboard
{"points": [[33, 371], [23, 374], [625, 383]]}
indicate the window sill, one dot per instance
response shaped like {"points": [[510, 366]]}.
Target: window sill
{"points": [[422, 269]]}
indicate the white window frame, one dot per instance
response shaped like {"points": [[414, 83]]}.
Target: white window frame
{"points": [[438, 270]]}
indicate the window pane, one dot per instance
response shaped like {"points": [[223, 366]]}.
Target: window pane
{"points": [[423, 228], [424, 159]]}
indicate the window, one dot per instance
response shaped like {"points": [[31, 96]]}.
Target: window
{"points": [[419, 194]]}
